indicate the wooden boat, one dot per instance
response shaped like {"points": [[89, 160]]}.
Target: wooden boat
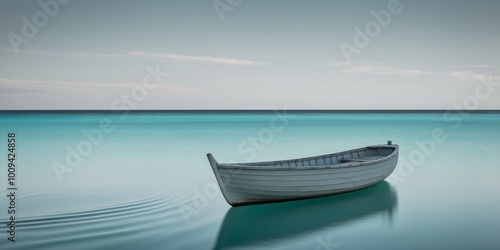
{"points": [[277, 181]]}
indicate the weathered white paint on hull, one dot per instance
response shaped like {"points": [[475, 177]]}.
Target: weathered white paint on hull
{"points": [[264, 182]]}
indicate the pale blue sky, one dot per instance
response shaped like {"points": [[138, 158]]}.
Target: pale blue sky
{"points": [[262, 55]]}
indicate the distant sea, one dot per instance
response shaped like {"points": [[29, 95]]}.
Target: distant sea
{"points": [[141, 180]]}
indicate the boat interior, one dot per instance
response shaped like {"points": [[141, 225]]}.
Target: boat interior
{"points": [[356, 155]]}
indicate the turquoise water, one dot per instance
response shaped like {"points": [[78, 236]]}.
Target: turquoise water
{"points": [[143, 181]]}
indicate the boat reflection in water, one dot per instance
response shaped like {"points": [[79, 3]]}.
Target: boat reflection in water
{"points": [[253, 224]]}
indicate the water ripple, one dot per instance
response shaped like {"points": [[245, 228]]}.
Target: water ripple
{"points": [[120, 226]]}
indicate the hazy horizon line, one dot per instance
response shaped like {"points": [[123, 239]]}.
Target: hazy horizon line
{"points": [[104, 111]]}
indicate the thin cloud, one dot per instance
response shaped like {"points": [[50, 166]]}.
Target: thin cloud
{"points": [[344, 63], [30, 85], [387, 70], [467, 73], [189, 58], [62, 54], [480, 66], [471, 75], [52, 86], [138, 54]]}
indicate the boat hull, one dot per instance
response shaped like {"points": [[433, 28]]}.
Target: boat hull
{"points": [[254, 183]]}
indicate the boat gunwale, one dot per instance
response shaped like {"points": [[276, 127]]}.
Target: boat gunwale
{"points": [[256, 166]]}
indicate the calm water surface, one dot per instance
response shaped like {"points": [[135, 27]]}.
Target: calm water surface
{"points": [[146, 182]]}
